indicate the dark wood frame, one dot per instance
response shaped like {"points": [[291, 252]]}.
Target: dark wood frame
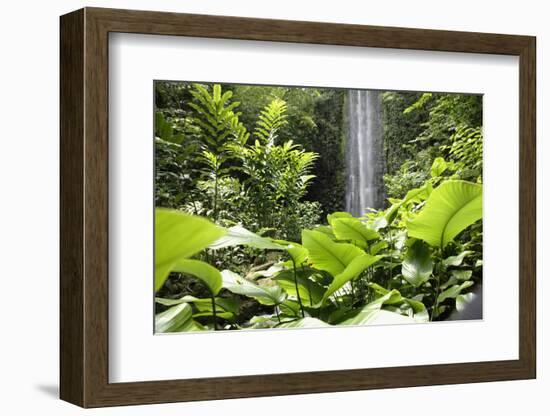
{"points": [[84, 207]]}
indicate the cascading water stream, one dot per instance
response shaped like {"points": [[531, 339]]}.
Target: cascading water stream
{"points": [[364, 152]]}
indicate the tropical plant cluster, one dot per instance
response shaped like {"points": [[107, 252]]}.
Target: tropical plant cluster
{"points": [[241, 242]]}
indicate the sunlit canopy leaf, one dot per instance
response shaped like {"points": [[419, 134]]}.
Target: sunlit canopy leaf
{"points": [[328, 255], [451, 207], [354, 230], [352, 270], [177, 237]]}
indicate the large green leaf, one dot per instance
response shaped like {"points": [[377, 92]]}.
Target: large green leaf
{"points": [[240, 236], [311, 293], [177, 237], [304, 323], [204, 304], [373, 314], [417, 266], [352, 270], [266, 295], [451, 207], [208, 274], [377, 317], [327, 255], [175, 319], [454, 291], [405, 305], [354, 230]]}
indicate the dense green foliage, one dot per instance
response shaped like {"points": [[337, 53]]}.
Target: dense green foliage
{"points": [[252, 233]]}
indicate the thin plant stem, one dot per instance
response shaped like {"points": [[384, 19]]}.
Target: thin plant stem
{"points": [[297, 290], [215, 318]]}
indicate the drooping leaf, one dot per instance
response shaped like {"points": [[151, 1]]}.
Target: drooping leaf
{"points": [[373, 314], [417, 266], [393, 297], [456, 260], [454, 291], [352, 270], [175, 319], [451, 207], [203, 304], [266, 295], [462, 275], [208, 274], [177, 237], [354, 230], [240, 236], [328, 255]]}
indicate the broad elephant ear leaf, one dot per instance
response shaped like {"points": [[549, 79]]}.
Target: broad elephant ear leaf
{"points": [[417, 266], [177, 237], [328, 255], [354, 230], [352, 270], [451, 208]]}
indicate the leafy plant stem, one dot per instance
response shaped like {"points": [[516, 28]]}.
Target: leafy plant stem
{"points": [[297, 290], [437, 276], [214, 312]]}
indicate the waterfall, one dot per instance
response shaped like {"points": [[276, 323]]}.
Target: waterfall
{"points": [[364, 152]]}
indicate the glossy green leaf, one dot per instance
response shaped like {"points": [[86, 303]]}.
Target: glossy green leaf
{"points": [[328, 255], [354, 230], [175, 319], [373, 314], [456, 260], [462, 275], [311, 293], [352, 270], [338, 214], [417, 266], [177, 237], [203, 304], [240, 236], [208, 274], [454, 291], [266, 295], [451, 208]]}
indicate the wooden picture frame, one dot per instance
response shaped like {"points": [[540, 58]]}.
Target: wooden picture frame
{"points": [[84, 207]]}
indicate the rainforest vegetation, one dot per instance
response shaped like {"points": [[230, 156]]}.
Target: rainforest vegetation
{"points": [[251, 228]]}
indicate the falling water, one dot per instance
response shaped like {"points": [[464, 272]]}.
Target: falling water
{"points": [[364, 152]]}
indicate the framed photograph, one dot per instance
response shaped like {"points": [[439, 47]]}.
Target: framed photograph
{"points": [[256, 207]]}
